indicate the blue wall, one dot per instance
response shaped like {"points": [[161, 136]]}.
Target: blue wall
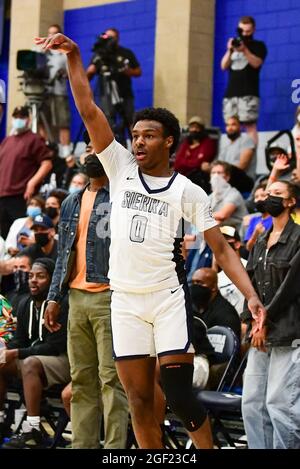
{"points": [[136, 22], [278, 25], [4, 71]]}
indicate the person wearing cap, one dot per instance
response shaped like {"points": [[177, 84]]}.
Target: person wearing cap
{"points": [[226, 287], [197, 148], [25, 161], [45, 244], [36, 356], [258, 224], [238, 149]]}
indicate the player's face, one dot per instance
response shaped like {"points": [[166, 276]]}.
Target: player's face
{"points": [[149, 145]]}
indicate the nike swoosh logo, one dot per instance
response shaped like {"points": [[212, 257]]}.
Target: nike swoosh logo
{"points": [[130, 179], [173, 291]]}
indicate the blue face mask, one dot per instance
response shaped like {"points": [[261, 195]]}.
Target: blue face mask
{"points": [[19, 124], [74, 189], [33, 211]]}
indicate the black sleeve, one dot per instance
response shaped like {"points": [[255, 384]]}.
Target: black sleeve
{"points": [[133, 61], [259, 49], [54, 343]]}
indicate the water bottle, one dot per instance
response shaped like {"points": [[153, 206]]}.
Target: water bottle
{"points": [[2, 351]]}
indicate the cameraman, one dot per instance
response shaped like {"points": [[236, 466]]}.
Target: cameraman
{"points": [[57, 105], [244, 58], [122, 65]]}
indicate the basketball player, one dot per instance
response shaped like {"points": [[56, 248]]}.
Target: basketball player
{"points": [[150, 302]]}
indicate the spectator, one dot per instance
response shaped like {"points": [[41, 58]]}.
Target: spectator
{"points": [[35, 355], [271, 397], [196, 149], [78, 182], [214, 310], [22, 264], [45, 244], [20, 233], [209, 304], [116, 95], [238, 149], [226, 287], [82, 265], [244, 62], [258, 224], [226, 202], [52, 207], [24, 162]]}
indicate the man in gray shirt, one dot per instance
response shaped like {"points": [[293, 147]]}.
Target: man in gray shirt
{"points": [[238, 149]]}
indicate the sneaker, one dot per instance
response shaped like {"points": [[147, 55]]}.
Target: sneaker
{"points": [[29, 438]]}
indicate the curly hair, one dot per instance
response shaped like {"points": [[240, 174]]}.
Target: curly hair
{"points": [[169, 122]]}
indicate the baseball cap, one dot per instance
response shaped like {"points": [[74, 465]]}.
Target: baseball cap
{"points": [[22, 111], [196, 120], [42, 220], [230, 232], [278, 147]]}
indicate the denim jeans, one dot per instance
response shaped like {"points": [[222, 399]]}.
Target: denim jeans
{"points": [[96, 389], [271, 399]]}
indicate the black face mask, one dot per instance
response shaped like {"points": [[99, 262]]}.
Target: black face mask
{"points": [[52, 212], [274, 205], [41, 239], [233, 135], [260, 206], [200, 295], [92, 166], [21, 281], [196, 136]]}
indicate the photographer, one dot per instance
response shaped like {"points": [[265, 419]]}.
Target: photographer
{"points": [[115, 66], [244, 58]]}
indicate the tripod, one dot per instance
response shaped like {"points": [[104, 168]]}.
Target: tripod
{"points": [[113, 107], [35, 90]]}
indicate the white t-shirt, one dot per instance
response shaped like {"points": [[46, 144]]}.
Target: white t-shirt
{"points": [[147, 223], [230, 291]]}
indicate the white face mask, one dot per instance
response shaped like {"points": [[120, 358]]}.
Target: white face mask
{"points": [[218, 184]]}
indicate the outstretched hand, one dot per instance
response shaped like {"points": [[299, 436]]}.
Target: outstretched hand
{"points": [[58, 42]]}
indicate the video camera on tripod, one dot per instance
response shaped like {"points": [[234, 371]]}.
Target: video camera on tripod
{"points": [[34, 84], [106, 58]]}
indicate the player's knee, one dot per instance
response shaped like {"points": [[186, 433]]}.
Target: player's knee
{"points": [[140, 405], [176, 379]]}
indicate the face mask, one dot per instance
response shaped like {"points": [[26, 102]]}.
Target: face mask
{"points": [[74, 189], [19, 124], [195, 136], [21, 281], [274, 205], [92, 166], [260, 206], [218, 184], [233, 135], [33, 211], [52, 212], [200, 295], [41, 239]]}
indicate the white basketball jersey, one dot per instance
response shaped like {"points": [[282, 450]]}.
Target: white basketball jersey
{"points": [[147, 223]]}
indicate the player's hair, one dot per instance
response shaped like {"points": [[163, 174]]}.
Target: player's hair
{"points": [[169, 122], [247, 20]]}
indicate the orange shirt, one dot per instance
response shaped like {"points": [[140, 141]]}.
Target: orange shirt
{"points": [[79, 275]]}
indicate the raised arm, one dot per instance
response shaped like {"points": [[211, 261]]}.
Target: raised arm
{"points": [[94, 119]]}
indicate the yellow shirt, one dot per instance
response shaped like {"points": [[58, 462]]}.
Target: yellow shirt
{"points": [[79, 275], [296, 217]]}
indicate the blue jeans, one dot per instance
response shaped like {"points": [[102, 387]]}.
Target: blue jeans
{"points": [[271, 399]]}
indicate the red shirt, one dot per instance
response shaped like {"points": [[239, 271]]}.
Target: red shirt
{"points": [[187, 158], [20, 158]]}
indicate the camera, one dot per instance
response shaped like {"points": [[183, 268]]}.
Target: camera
{"points": [[238, 41], [106, 59], [33, 63]]}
